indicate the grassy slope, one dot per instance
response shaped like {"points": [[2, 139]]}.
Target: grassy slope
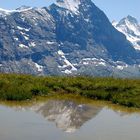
{"points": [[22, 87]]}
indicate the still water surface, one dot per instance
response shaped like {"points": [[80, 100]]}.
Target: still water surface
{"points": [[67, 119]]}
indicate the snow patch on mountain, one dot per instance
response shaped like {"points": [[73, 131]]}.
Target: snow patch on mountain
{"points": [[72, 5], [67, 67], [16, 39], [26, 37], [39, 67], [4, 12], [32, 44], [21, 28], [93, 61], [23, 46], [50, 42], [114, 23]]}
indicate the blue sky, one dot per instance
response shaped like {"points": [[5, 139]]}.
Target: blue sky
{"points": [[115, 9]]}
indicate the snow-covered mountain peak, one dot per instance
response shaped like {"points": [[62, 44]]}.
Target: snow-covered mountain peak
{"points": [[131, 28], [71, 5], [131, 19]]}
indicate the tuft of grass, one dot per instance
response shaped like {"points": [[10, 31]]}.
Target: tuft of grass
{"points": [[25, 87]]}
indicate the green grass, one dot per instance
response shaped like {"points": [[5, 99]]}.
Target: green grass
{"points": [[25, 87]]}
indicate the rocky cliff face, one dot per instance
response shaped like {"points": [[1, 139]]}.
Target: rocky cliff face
{"points": [[69, 37]]}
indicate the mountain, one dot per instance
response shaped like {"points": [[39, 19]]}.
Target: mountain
{"points": [[131, 28], [70, 37]]}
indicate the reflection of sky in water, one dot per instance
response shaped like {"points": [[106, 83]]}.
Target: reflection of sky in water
{"points": [[92, 122]]}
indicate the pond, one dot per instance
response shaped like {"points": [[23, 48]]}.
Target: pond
{"points": [[67, 119]]}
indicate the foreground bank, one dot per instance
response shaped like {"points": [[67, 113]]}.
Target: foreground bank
{"points": [[25, 87]]}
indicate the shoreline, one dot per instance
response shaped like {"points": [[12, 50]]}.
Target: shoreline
{"points": [[16, 87]]}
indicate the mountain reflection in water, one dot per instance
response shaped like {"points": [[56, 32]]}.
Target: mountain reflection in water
{"points": [[93, 120], [68, 115]]}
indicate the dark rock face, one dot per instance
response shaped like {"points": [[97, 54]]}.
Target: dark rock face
{"points": [[91, 27], [69, 37]]}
